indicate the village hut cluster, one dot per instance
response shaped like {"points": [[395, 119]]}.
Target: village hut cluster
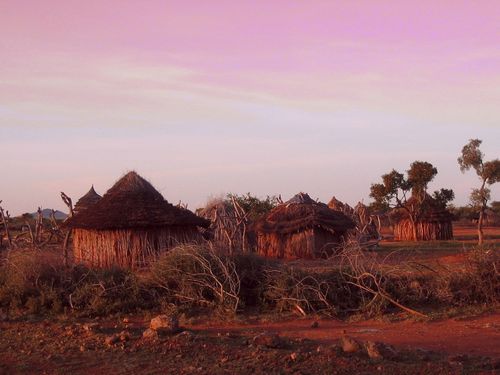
{"points": [[132, 224]]}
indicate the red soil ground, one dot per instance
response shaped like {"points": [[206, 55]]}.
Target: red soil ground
{"points": [[473, 336], [64, 347]]}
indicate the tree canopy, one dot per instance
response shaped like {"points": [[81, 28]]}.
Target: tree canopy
{"points": [[396, 189], [488, 173]]}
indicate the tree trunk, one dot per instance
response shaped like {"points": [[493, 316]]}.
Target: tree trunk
{"points": [[484, 202], [480, 234], [414, 228]]}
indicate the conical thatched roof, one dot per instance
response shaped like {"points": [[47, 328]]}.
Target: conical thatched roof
{"points": [[87, 200], [133, 202], [300, 213], [337, 205]]}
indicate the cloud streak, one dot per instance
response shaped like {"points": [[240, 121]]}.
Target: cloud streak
{"points": [[234, 96]]}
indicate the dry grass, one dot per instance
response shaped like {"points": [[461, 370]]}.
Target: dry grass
{"points": [[355, 282]]}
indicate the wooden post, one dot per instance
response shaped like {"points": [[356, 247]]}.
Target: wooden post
{"points": [[6, 225], [65, 248], [68, 202], [39, 225], [33, 239]]}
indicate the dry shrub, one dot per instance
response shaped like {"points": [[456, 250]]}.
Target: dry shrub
{"points": [[190, 276], [198, 275], [106, 291], [365, 277], [478, 282], [252, 270], [292, 289], [31, 282], [475, 282], [37, 282]]}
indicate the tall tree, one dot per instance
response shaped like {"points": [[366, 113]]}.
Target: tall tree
{"points": [[488, 173], [396, 190]]}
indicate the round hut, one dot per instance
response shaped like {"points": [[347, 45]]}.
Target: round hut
{"points": [[130, 225], [434, 222], [87, 200], [301, 228]]}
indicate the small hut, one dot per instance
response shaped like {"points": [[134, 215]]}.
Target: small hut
{"points": [[434, 221], [87, 200], [130, 225], [301, 228]]}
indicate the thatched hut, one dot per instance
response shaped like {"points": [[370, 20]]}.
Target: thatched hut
{"points": [[130, 225], [87, 200], [301, 228], [434, 222]]}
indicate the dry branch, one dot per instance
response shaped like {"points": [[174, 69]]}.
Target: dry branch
{"points": [[369, 276]]}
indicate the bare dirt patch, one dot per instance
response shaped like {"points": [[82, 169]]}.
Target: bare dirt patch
{"points": [[298, 347]]}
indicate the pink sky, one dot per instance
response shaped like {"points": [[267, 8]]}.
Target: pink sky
{"points": [[270, 87]]}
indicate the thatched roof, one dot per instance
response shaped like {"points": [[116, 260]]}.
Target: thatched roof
{"points": [[133, 202], [432, 211], [337, 205], [301, 198], [87, 200], [292, 217]]}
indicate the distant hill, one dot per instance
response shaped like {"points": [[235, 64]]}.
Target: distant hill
{"points": [[47, 211]]}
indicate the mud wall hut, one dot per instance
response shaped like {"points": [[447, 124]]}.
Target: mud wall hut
{"points": [[130, 226], [434, 222], [301, 228]]}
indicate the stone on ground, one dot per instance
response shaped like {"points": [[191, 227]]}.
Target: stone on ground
{"points": [[165, 323], [349, 345]]}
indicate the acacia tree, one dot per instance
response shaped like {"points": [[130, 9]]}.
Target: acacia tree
{"points": [[396, 190], [488, 173]]}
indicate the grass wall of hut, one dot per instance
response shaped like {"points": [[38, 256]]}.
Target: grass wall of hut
{"points": [[128, 248], [426, 231]]}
